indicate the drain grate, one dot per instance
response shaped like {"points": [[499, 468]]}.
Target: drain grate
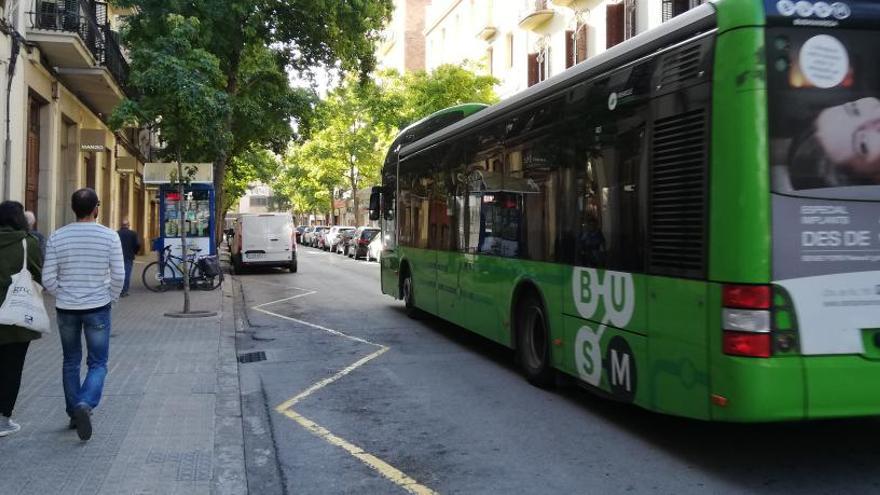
{"points": [[252, 357]]}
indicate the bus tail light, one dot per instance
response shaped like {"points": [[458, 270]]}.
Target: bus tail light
{"points": [[746, 296], [747, 344], [746, 320]]}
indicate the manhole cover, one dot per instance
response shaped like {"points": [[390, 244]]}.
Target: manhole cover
{"points": [[252, 357]]}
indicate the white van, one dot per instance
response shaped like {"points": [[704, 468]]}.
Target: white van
{"points": [[265, 239]]}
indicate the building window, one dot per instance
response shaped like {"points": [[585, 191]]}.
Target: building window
{"points": [[259, 201], [509, 50], [576, 45], [672, 8], [615, 18], [490, 62], [620, 19]]}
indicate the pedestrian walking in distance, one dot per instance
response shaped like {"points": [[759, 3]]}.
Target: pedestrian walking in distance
{"points": [[14, 340], [84, 270], [32, 229], [130, 247]]}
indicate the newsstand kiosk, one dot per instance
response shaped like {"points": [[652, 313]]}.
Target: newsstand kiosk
{"points": [[198, 204]]}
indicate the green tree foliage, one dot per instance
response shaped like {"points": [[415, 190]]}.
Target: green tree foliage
{"points": [[245, 169], [255, 42], [180, 88], [422, 93], [353, 127]]}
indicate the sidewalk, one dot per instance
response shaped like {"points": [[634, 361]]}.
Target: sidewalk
{"points": [[170, 418]]}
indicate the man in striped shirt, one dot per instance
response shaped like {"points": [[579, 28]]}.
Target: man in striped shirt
{"points": [[83, 269]]}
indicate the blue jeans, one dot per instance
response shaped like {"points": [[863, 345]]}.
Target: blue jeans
{"points": [[96, 327], [128, 266]]}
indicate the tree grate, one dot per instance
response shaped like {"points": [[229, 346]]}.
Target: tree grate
{"points": [[252, 357]]}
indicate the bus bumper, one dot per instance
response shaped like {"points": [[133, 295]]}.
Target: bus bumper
{"points": [[795, 388], [842, 386]]}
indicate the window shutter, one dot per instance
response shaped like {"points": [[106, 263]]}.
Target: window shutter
{"points": [[667, 10], [533, 69], [581, 53], [630, 19], [569, 49], [614, 21]]}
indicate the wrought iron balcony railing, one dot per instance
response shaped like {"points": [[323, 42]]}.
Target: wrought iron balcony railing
{"points": [[81, 17]]}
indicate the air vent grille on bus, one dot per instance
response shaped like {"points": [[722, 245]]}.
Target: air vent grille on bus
{"points": [[678, 195], [681, 65]]}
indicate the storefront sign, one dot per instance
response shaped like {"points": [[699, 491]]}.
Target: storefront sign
{"points": [[162, 173], [126, 164], [94, 140]]}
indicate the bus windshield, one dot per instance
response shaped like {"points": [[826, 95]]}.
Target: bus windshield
{"points": [[824, 110]]}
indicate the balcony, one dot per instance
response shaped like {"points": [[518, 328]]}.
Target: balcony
{"points": [[536, 15], [83, 50], [484, 21]]}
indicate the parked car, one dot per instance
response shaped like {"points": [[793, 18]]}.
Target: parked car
{"points": [[315, 235], [321, 238], [360, 242], [343, 241], [306, 234], [266, 239], [299, 233], [374, 249], [330, 237]]}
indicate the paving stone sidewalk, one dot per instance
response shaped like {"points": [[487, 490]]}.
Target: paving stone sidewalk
{"points": [[170, 418]]}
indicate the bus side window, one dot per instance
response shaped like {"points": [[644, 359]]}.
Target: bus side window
{"points": [[610, 230]]}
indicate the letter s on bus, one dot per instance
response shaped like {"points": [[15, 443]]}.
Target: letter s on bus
{"points": [[588, 354]]}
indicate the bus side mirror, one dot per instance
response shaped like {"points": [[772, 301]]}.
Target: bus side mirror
{"points": [[375, 203]]}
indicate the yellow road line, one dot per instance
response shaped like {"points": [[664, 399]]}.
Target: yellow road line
{"points": [[388, 471], [393, 474], [327, 381]]}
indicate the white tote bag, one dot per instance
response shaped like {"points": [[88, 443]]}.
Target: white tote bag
{"points": [[23, 306]]}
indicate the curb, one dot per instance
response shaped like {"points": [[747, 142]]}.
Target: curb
{"points": [[229, 477]]}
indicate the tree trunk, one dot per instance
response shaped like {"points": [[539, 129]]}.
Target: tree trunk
{"points": [[354, 191], [219, 206], [181, 216], [222, 160], [332, 207]]}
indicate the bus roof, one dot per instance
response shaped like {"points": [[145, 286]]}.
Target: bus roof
{"points": [[430, 124], [676, 29]]}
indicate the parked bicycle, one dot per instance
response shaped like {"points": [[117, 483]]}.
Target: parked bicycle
{"points": [[167, 273]]}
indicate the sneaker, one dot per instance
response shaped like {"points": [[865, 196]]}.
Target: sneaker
{"points": [[7, 426], [82, 418]]}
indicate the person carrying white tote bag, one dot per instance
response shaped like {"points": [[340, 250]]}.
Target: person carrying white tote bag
{"points": [[23, 317], [23, 306]]}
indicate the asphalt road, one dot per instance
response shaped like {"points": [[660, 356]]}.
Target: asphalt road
{"points": [[444, 410]]}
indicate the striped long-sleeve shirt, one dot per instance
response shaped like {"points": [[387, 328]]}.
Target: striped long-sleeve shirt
{"points": [[83, 267]]}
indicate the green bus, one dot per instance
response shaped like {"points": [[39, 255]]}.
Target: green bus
{"points": [[689, 221]]}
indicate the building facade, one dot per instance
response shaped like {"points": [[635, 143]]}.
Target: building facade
{"points": [[402, 47], [69, 73], [523, 42], [257, 199]]}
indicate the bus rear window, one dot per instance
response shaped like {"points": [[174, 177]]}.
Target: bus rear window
{"points": [[824, 109]]}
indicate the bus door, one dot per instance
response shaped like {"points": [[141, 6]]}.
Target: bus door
{"points": [[483, 262], [446, 215], [388, 258]]}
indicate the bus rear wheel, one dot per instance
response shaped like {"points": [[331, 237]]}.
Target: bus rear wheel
{"points": [[408, 296], [533, 342]]}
